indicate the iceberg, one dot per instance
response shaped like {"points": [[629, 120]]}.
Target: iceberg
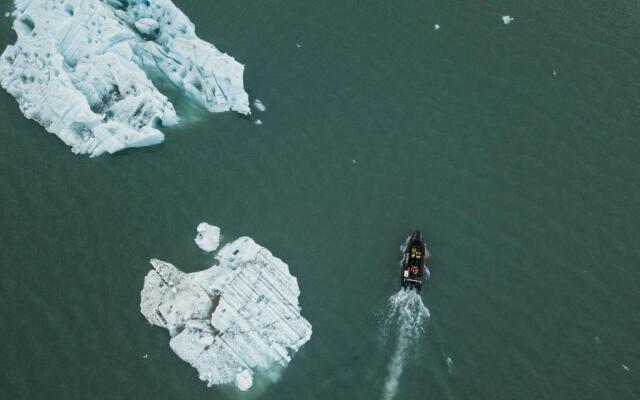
{"points": [[231, 320], [79, 68], [208, 237]]}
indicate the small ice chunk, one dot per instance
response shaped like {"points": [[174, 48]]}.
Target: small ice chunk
{"points": [[436, 27], [244, 380], [146, 25], [625, 367], [145, 356], [298, 45], [259, 105], [208, 237], [7, 14], [554, 72], [258, 122], [507, 19], [354, 161], [450, 366]]}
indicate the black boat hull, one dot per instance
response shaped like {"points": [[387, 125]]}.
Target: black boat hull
{"points": [[414, 262]]}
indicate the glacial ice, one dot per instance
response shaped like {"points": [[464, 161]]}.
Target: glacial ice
{"points": [[231, 320], [208, 237], [78, 69]]}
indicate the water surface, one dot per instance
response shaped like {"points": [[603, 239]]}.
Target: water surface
{"points": [[525, 184]]}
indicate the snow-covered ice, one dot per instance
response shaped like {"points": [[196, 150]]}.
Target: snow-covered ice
{"points": [[232, 319], [78, 68], [208, 237], [506, 19]]}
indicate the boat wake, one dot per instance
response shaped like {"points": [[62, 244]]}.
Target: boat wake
{"points": [[404, 319]]}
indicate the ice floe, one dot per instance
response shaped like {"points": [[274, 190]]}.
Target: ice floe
{"points": [[506, 19], [79, 69], [208, 237], [436, 27], [231, 320]]}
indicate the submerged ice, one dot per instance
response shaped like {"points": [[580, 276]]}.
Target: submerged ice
{"points": [[232, 319], [78, 68]]}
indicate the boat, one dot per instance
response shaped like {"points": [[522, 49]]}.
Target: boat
{"points": [[414, 261]]}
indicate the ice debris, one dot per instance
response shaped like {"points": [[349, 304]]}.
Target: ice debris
{"points": [[436, 27], [77, 69], [258, 122], [231, 320], [506, 19], [259, 105], [208, 237], [450, 366]]}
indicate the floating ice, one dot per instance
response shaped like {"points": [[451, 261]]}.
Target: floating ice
{"points": [[259, 105], [230, 320], [258, 122], [208, 237], [506, 19], [436, 27], [450, 366], [76, 69]]}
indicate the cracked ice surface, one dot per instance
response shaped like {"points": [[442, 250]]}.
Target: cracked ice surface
{"points": [[231, 319], [76, 69]]}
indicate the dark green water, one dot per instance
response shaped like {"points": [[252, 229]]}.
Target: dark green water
{"points": [[526, 185]]}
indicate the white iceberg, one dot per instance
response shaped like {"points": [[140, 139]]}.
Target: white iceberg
{"points": [[208, 237], [76, 69], [231, 320]]}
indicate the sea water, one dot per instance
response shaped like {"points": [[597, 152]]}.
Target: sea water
{"points": [[523, 181]]}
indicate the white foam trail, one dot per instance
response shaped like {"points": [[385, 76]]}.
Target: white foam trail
{"points": [[406, 314]]}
